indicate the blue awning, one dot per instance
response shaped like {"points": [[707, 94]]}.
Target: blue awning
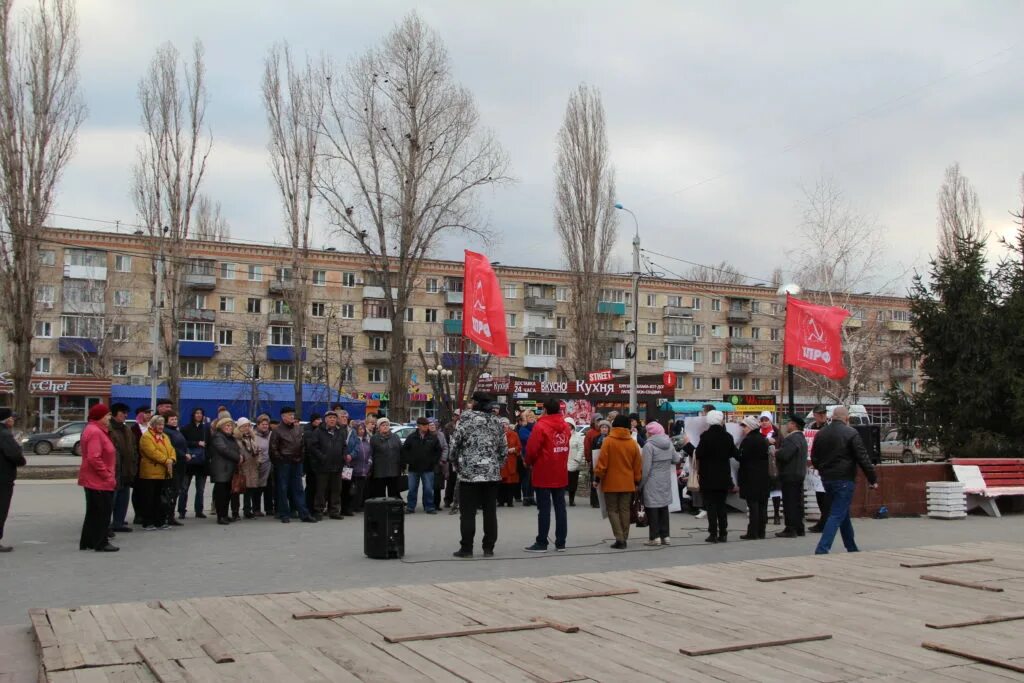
{"points": [[283, 353], [196, 349], [76, 345]]}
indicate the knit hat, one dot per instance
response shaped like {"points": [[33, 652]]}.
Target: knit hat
{"points": [[242, 421], [764, 414], [604, 423], [751, 423], [98, 412], [655, 429], [570, 421], [6, 414], [715, 417]]}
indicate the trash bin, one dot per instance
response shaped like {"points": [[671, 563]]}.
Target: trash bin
{"points": [[384, 528]]}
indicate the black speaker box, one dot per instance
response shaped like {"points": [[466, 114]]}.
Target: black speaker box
{"points": [[384, 528]]}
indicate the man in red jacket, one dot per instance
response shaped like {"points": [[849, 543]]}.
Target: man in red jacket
{"points": [[547, 455]]}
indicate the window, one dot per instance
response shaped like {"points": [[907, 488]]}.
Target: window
{"points": [[347, 311], [561, 322], [773, 359], [41, 366], [280, 336], [652, 300], [698, 356], [283, 274], [377, 375], [716, 357], [453, 284], [913, 387], [347, 342], [716, 384], [755, 306], [698, 331], [318, 341], [81, 326], [678, 328], [512, 349], [736, 384], [716, 331], [255, 273], [430, 315], [83, 292], [652, 328], [225, 337], [540, 347], [616, 296], [410, 315], [432, 285], [901, 316], [195, 332], [695, 303], [698, 383], [120, 332], [755, 384], [320, 278], [43, 329], [511, 291], [119, 367], [378, 343], [45, 294], [122, 298], [224, 370], [251, 371], [652, 355], [196, 301], [254, 305], [348, 279], [284, 371], [409, 344], [561, 293], [755, 332], [510, 320], [678, 352], [775, 385], [317, 373], [122, 263], [318, 309], [281, 307], [227, 304], [539, 377], [716, 305], [159, 368], [47, 257], [348, 374], [227, 271], [85, 257], [776, 334], [253, 339], [775, 310], [79, 366], [430, 346]]}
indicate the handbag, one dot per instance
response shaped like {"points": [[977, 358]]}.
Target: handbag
{"points": [[346, 473], [197, 456], [637, 512], [773, 464], [238, 482]]}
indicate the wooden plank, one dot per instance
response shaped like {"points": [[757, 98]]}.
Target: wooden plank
{"points": [[945, 563], [41, 628], [981, 659], [963, 584], [684, 584], [465, 632], [751, 645], [990, 619], [218, 650], [791, 577], [163, 669], [338, 614], [594, 594]]}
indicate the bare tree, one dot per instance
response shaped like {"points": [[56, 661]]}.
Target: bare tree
{"points": [[209, 223], [403, 158], [843, 254], [959, 213], [586, 221], [294, 107], [41, 109], [723, 273], [170, 168]]}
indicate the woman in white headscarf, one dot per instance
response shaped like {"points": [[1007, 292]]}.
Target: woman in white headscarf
{"points": [[713, 455]]}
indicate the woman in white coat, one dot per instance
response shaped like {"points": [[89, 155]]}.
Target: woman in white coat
{"points": [[577, 458]]}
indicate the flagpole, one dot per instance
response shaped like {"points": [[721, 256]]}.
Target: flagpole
{"points": [[785, 292], [462, 370]]}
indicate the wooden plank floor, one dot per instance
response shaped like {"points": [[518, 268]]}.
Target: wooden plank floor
{"points": [[874, 610]]}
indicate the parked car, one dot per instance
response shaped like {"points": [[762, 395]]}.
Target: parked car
{"points": [[45, 442], [905, 450], [403, 431]]}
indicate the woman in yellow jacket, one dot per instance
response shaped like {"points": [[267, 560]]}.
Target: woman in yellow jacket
{"points": [[156, 464], [619, 469]]}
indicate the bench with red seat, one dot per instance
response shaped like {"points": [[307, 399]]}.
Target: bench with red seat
{"points": [[995, 477]]}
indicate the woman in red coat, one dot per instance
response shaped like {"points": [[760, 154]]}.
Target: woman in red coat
{"points": [[97, 475], [510, 470]]}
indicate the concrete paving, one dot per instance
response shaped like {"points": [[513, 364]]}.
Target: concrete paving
{"points": [[46, 568]]}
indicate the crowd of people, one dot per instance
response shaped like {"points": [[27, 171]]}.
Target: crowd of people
{"points": [[327, 468]]}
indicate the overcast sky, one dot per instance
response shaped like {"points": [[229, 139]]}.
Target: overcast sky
{"points": [[718, 112]]}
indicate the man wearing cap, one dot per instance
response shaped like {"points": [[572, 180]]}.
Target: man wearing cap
{"points": [[421, 453], [143, 414], [478, 450], [813, 479], [127, 465], [792, 461], [286, 454], [11, 458], [328, 450]]}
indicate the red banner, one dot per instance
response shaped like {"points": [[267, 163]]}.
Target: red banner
{"points": [[814, 337], [600, 376], [483, 311]]}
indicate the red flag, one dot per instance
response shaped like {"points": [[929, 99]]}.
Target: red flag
{"points": [[483, 311], [814, 337]]}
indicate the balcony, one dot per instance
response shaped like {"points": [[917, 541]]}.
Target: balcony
{"points": [[196, 349], [374, 292], [738, 315], [453, 360], [677, 312], [85, 272], [206, 315], [280, 318], [376, 324], [685, 366], [853, 322], [202, 281], [86, 307], [76, 345], [617, 363], [453, 298], [539, 303], [283, 353], [901, 373], [281, 286], [611, 308], [545, 331], [740, 341], [453, 327], [374, 356], [544, 362], [680, 339], [738, 368], [612, 335], [898, 325]]}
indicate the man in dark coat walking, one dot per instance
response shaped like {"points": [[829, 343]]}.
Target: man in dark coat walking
{"points": [[792, 461], [421, 454], [11, 458]]}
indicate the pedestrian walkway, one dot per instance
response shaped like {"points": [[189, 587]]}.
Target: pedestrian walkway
{"points": [[861, 616]]}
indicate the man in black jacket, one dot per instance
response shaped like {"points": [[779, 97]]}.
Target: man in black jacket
{"points": [[792, 461], [838, 452], [327, 449], [307, 465], [11, 458], [421, 453]]}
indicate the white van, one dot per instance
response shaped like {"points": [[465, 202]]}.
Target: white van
{"points": [[858, 415]]}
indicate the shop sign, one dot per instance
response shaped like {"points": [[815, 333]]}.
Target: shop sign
{"points": [[751, 403], [370, 396], [48, 386], [600, 376], [576, 387]]}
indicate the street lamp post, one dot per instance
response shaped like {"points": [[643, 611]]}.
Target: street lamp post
{"points": [[784, 292], [636, 305]]}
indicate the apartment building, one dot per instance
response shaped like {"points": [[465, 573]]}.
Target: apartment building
{"points": [[95, 298]]}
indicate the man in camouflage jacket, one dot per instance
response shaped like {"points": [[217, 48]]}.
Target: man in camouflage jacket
{"points": [[478, 450]]}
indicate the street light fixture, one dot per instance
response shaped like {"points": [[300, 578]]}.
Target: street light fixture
{"points": [[783, 293], [636, 301]]}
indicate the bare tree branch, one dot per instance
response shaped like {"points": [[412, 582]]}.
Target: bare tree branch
{"points": [[959, 213], [208, 223], [723, 273]]}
